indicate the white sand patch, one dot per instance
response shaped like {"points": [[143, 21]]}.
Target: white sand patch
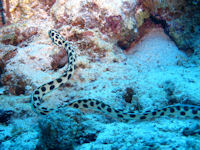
{"points": [[155, 49]]}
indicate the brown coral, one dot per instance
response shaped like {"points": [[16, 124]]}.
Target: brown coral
{"points": [[79, 22], [112, 25], [128, 95], [29, 32], [59, 60], [15, 35], [47, 3], [16, 85], [5, 57], [166, 9]]}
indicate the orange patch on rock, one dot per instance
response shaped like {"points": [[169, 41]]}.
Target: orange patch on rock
{"points": [[88, 33]]}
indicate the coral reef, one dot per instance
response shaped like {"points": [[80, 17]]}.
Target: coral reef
{"points": [[94, 28], [100, 30], [125, 58], [180, 19], [92, 20]]}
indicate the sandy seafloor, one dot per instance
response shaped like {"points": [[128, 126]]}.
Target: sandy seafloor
{"points": [[154, 65]]}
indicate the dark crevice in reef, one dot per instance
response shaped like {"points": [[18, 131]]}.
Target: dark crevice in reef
{"points": [[126, 42], [188, 50], [2, 65], [122, 45], [163, 23], [1, 85], [5, 115]]}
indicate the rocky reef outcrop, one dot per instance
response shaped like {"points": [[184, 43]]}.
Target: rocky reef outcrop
{"points": [[125, 58], [99, 30], [180, 19]]}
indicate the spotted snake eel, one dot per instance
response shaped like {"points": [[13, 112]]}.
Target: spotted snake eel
{"points": [[191, 111]]}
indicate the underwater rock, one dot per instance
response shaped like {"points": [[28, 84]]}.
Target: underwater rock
{"points": [[169, 88], [16, 84], [6, 53], [59, 60], [9, 35], [180, 20], [64, 130], [98, 21], [23, 68], [128, 95], [113, 22], [101, 30], [96, 28]]}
